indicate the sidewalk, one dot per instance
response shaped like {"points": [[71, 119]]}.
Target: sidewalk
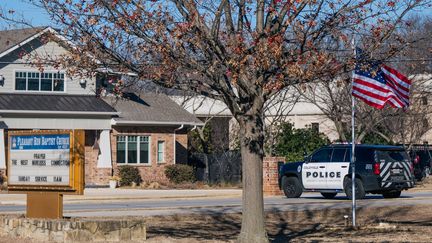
{"points": [[104, 194]]}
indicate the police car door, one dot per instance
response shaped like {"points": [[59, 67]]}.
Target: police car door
{"points": [[337, 168], [314, 170]]}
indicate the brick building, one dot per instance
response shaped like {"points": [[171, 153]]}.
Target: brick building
{"points": [[157, 125], [144, 130]]}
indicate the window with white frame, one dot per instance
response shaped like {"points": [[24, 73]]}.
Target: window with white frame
{"points": [[36, 81], [133, 149], [161, 152]]}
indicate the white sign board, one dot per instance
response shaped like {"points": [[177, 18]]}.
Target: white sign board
{"points": [[39, 160]]}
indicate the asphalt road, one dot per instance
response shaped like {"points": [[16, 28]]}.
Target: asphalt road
{"points": [[309, 201]]}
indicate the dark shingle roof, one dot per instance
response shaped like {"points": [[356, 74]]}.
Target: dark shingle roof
{"points": [[150, 108], [43, 102], [11, 38]]}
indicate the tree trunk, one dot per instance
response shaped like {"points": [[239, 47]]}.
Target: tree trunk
{"points": [[360, 136], [204, 143], [251, 143], [340, 130]]}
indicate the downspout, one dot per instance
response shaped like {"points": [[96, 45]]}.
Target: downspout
{"points": [[174, 144]]}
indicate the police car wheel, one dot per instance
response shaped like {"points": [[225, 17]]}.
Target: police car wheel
{"points": [[393, 194], [291, 187], [329, 195], [360, 192]]}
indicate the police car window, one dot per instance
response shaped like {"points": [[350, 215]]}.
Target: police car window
{"points": [[338, 155], [364, 155], [348, 155], [392, 155], [322, 155]]}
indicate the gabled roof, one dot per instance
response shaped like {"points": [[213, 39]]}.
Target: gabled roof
{"points": [[149, 109], [13, 39], [202, 106], [19, 103]]}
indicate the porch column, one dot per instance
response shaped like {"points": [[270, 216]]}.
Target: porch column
{"points": [[104, 158], [2, 150]]}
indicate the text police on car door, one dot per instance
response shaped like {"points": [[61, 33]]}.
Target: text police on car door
{"points": [[324, 174]]}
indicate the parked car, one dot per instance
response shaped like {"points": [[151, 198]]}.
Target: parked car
{"points": [[421, 155], [380, 169]]}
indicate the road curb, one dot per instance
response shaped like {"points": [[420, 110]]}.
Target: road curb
{"points": [[106, 199]]}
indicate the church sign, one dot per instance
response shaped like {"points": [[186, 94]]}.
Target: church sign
{"points": [[40, 160], [44, 160]]}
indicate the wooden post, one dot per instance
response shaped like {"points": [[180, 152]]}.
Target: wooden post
{"points": [[47, 205]]}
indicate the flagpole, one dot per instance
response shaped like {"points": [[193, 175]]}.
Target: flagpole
{"points": [[353, 145]]}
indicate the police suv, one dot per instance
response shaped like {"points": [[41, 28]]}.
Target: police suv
{"points": [[379, 169]]}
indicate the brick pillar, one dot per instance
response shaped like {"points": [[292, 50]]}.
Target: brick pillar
{"points": [[270, 173]]}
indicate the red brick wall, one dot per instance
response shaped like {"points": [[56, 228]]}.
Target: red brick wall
{"points": [[270, 173], [94, 175], [155, 172], [149, 173]]}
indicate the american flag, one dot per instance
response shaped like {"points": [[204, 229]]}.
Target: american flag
{"points": [[377, 84]]}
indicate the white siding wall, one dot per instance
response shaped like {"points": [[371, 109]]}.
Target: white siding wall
{"points": [[11, 63], [326, 126]]}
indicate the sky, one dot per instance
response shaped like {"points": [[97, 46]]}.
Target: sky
{"points": [[35, 15], [38, 17]]}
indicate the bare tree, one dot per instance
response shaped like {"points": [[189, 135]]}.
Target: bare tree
{"points": [[411, 125], [407, 126], [276, 111], [242, 52], [333, 98], [395, 126], [416, 56], [213, 136]]}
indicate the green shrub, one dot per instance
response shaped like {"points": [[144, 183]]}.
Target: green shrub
{"points": [[179, 173], [129, 174], [294, 144]]}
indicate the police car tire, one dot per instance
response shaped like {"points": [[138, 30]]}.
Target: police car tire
{"points": [[393, 194], [291, 187], [329, 195], [360, 193]]}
